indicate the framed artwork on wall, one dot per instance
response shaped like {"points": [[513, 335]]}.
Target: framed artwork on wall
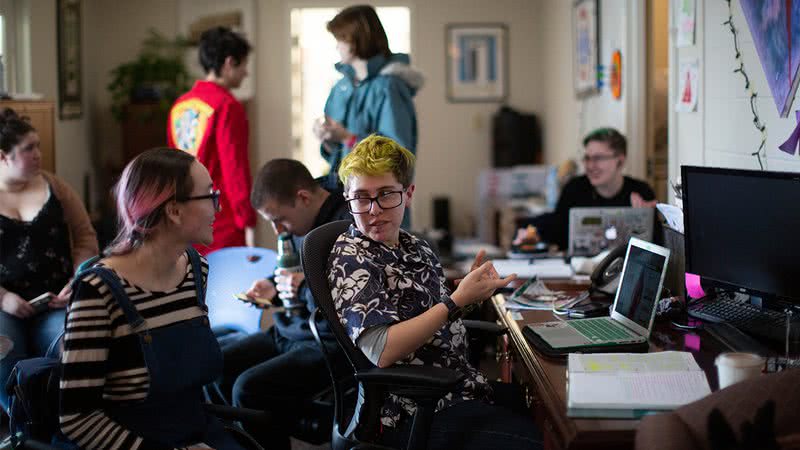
{"points": [[477, 67], [70, 78], [776, 35], [585, 32]]}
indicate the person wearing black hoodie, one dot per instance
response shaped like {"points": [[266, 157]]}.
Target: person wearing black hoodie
{"points": [[271, 369]]}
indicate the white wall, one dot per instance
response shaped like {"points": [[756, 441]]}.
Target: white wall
{"points": [[566, 118], [721, 132], [115, 31], [72, 137]]}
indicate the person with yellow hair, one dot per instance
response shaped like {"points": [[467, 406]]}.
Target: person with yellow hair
{"points": [[392, 300]]}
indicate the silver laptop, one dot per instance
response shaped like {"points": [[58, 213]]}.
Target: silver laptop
{"points": [[634, 306], [592, 230]]}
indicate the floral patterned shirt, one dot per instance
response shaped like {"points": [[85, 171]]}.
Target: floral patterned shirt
{"points": [[374, 284]]}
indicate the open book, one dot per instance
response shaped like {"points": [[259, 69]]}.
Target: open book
{"points": [[629, 385]]}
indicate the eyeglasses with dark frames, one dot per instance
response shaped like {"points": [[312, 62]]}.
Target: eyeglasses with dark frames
{"points": [[214, 196], [598, 158], [386, 200]]}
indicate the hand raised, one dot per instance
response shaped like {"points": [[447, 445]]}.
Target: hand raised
{"points": [[480, 284], [638, 202]]}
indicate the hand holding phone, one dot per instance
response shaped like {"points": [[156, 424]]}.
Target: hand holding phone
{"points": [[40, 303], [257, 301]]}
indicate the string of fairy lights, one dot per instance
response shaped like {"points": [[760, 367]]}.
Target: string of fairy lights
{"points": [[761, 151]]}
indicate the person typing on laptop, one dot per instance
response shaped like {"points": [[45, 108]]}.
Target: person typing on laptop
{"points": [[603, 184]]}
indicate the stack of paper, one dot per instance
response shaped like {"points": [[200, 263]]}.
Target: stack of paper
{"points": [[541, 268], [533, 295], [625, 385]]}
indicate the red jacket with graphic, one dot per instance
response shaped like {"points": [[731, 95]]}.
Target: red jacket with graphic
{"points": [[211, 124]]}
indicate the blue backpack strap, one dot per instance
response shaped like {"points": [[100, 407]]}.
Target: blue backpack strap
{"points": [[87, 264], [197, 271], [108, 277]]}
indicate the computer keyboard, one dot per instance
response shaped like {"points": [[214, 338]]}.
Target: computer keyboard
{"points": [[601, 330], [763, 323]]}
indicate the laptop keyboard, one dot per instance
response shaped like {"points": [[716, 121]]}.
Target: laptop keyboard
{"points": [[601, 330]]}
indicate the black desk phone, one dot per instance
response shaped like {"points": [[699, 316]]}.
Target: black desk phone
{"points": [[605, 277]]}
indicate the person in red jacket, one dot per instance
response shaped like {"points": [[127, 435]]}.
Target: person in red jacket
{"points": [[211, 124]]}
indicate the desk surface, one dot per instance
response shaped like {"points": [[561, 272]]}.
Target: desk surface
{"points": [[545, 380]]}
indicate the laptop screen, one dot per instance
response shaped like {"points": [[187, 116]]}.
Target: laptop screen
{"points": [[594, 229], [638, 289]]}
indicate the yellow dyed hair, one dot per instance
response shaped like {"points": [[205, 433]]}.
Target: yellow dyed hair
{"points": [[375, 156]]}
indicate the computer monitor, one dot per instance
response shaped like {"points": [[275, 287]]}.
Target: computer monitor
{"points": [[742, 230]]}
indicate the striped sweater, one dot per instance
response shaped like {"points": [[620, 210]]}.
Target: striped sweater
{"points": [[103, 362]]}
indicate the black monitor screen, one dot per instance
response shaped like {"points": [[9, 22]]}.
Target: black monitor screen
{"points": [[743, 229]]}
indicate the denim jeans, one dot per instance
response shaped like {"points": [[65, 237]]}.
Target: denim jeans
{"points": [[473, 424], [31, 338], [268, 372]]}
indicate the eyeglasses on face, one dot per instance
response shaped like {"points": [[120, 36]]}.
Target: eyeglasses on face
{"points": [[214, 196], [597, 158], [386, 200]]}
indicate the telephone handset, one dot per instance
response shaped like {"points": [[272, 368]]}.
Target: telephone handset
{"points": [[605, 277]]}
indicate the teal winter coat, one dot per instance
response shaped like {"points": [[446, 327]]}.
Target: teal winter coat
{"points": [[382, 103]]}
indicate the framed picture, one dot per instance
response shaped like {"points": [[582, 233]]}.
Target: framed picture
{"points": [[70, 78], [584, 34], [476, 62]]}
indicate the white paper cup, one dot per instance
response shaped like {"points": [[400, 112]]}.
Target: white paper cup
{"points": [[735, 367]]}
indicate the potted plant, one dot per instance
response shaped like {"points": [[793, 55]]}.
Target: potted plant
{"points": [[157, 75], [143, 90]]}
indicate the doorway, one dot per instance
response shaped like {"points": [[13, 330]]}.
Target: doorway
{"points": [[657, 101]]}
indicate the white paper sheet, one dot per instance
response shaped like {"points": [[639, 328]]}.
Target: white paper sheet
{"points": [[661, 380]]}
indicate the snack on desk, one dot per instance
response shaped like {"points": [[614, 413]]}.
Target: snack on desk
{"points": [[527, 240]]}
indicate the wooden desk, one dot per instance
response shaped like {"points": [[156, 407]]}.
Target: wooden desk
{"points": [[544, 381]]}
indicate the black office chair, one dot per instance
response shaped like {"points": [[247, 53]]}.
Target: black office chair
{"points": [[358, 425]]}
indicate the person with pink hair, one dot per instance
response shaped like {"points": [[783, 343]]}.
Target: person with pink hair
{"points": [[134, 362]]}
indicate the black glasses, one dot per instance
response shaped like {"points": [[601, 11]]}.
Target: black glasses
{"points": [[386, 200], [597, 158], [214, 196]]}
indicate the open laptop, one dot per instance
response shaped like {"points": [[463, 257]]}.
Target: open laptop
{"points": [[592, 230], [634, 305]]}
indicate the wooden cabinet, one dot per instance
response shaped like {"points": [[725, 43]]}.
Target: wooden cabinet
{"points": [[144, 127], [41, 115]]}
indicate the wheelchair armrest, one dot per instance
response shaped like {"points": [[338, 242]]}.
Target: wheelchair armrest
{"points": [[33, 444], [413, 381], [246, 415], [485, 326], [365, 446]]}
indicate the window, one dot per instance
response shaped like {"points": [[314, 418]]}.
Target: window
{"points": [[15, 45], [3, 53], [313, 57]]}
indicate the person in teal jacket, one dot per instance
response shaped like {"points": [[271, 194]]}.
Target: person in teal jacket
{"points": [[375, 95]]}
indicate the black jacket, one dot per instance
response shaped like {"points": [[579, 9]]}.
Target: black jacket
{"points": [[296, 327]]}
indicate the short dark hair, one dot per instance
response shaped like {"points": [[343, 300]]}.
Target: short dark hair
{"points": [[12, 129], [280, 179], [610, 136], [219, 43], [360, 27]]}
